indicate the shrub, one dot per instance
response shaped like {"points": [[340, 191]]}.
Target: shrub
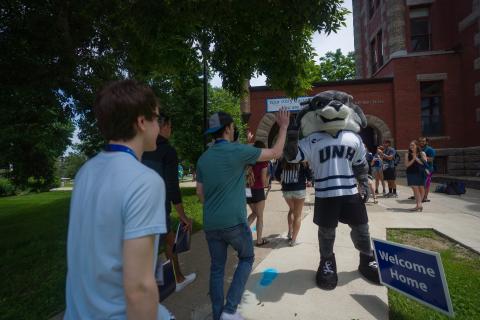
{"points": [[6, 188]]}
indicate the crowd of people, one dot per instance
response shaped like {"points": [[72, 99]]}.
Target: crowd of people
{"points": [[120, 208]]}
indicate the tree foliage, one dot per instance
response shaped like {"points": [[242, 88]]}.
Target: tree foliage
{"points": [[55, 55], [334, 66]]}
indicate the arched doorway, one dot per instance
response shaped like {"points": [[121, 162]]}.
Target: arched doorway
{"points": [[373, 135], [370, 138], [376, 132]]}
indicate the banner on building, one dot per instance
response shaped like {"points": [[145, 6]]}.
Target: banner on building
{"points": [[293, 105]]}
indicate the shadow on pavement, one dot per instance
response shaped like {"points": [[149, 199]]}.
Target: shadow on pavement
{"points": [[270, 286], [373, 304], [399, 210], [345, 277]]}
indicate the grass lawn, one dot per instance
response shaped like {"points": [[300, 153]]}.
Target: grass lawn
{"points": [[462, 271], [33, 231]]}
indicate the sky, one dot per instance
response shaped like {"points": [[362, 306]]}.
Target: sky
{"points": [[322, 43]]}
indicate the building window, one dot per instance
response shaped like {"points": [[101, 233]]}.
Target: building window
{"points": [[420, 35], [376, 52], [379, 49], [373, 56], [431, 108]]}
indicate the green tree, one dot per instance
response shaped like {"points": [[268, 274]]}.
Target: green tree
{"points": [[334, 66], [74, 47], [71, 163]]}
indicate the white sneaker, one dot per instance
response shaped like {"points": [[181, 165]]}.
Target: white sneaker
{"points": [[229, 316], [188, 279], [164, 313]]}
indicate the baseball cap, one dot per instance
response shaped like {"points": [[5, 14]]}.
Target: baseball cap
{"points": [[217, 121]]}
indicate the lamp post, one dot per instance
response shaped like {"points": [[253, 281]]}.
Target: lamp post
{"points": [[205, 92]]}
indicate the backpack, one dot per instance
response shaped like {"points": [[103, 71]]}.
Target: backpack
{"points": [[455, 188], [441, 188], [396, 159]]}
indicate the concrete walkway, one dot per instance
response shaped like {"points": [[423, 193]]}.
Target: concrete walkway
{"points": [[282, 284]]}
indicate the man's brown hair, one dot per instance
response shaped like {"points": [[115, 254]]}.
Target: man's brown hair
{"points": [[119, 104]]}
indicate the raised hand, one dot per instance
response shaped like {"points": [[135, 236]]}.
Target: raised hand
{"points": [[282, 117]]}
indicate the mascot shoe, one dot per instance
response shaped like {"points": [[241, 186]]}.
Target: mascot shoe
{"points": [[327, 273], [368, 268]]}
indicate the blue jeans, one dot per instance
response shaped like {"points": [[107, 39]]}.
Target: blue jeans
{"points": [[240, 238]]}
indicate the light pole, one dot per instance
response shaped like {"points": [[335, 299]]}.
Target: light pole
{"points": [[204, 49]]}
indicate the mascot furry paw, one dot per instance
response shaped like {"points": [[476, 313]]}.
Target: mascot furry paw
{"points": [[329, 127]]}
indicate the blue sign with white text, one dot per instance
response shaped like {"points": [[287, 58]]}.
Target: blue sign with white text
{"points": [[414, 272]]}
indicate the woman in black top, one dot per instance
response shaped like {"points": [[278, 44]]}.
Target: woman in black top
{"points": [[415, 159], [294, 177]]}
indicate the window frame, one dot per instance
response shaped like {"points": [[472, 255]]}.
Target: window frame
{"points": [[441, 94], [428, 35]]}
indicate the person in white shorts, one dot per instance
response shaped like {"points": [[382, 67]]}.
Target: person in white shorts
{"points": [[294, 177]]}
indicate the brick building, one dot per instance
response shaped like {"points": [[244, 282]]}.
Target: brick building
{"points": [[418, 70]]}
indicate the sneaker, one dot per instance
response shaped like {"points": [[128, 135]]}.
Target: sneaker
{"points": [[368, 268], [289, 236], [395, 195], [292, 243], [411, 198], [376, 191], [164, 313], [326, 277], [387, 195], [188, 279], [229, 316]]}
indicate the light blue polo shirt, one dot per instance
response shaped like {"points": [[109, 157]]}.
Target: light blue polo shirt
{"points": [[115, 198]]}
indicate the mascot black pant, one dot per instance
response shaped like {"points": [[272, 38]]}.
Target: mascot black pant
{"points": [[348, 209], [360, 237]]}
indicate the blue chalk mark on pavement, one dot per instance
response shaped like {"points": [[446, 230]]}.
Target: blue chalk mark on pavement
{"points": [[268, 276]]}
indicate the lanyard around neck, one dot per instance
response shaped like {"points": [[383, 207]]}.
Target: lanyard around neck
{"points": [[120, 148]]}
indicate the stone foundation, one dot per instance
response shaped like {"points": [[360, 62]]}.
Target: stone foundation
{"points": [[452, 162]]}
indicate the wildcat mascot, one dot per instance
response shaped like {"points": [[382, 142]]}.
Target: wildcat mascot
{"points": [[335, 152]]}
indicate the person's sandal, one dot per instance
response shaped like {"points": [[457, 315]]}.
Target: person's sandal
{"points": [[264, 242]]}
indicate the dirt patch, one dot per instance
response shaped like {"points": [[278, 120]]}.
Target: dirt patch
{"points": [[431, 244], [429, 239]]}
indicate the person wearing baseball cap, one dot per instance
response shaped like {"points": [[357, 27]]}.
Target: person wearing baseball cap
{"points": [[221, 189]]}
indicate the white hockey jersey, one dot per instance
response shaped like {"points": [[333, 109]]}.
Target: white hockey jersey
{"points": [[331, 159]]}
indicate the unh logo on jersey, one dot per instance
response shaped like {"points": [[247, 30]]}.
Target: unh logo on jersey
{"points": [[332, 152]]}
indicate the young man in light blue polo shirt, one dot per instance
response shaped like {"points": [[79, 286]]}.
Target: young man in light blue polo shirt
{"points": [[117, 212], [221, 189]]}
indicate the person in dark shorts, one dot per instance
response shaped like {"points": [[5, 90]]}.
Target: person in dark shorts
{"points": [[337, 156], [257, 201], [430, 153], [389, 174]]}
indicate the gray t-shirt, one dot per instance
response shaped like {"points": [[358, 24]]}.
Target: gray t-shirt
{"points": [[115, 198]]}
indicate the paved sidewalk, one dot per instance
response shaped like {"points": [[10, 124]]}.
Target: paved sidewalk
{"points": [[282, 284]]}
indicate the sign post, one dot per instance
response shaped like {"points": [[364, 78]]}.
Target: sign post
{"points": [[414, 272]]}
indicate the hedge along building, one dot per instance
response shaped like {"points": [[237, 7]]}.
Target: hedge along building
{"points": [[418, 70]]}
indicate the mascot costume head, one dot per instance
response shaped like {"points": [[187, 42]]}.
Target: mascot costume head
{"points": [[329, 125], [331, 111]]}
